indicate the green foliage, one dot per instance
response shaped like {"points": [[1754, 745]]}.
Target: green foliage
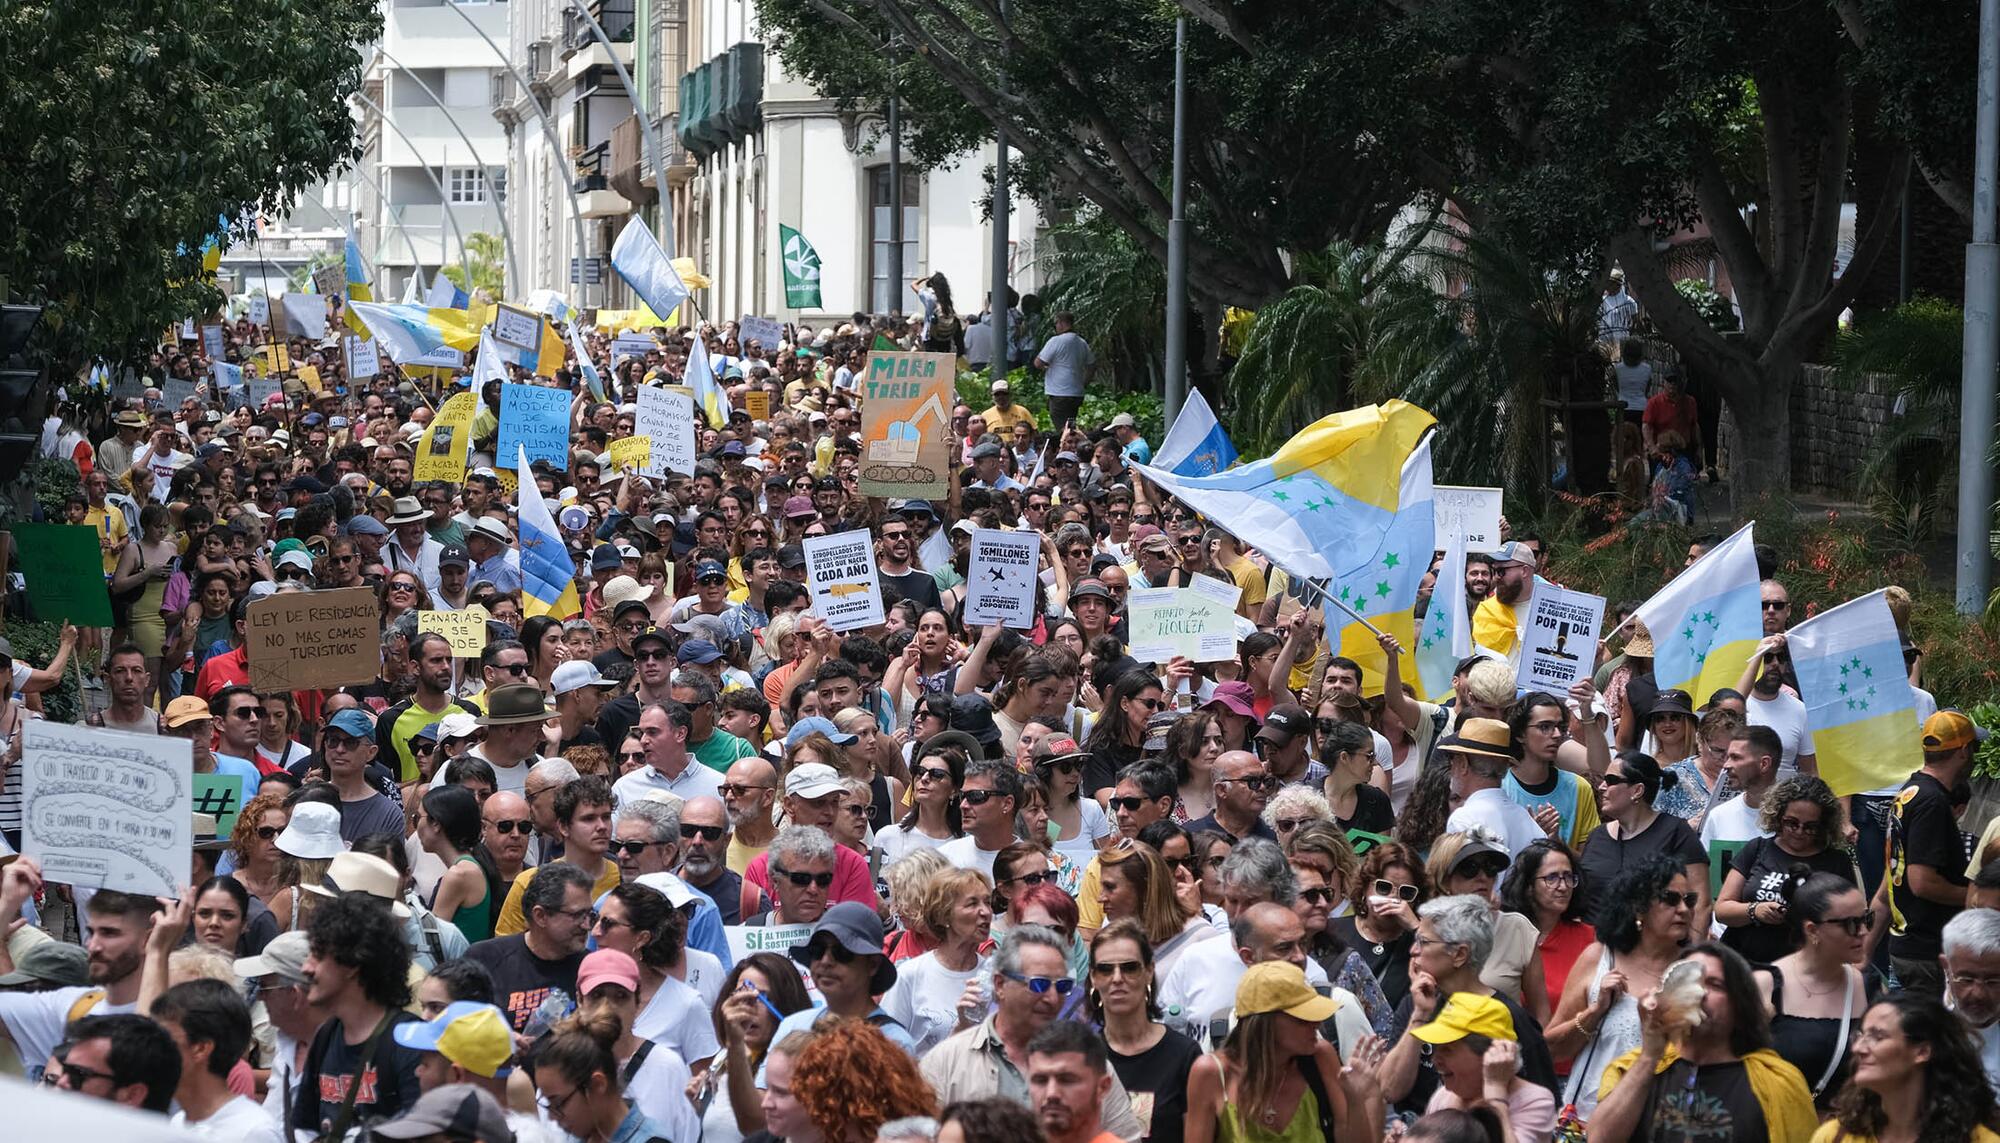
{"points": [[54, 479], [1986, 757], [1908, 479], [36, 643], [130, 127], [1712, 306], [489, 271], [1099, 406]]}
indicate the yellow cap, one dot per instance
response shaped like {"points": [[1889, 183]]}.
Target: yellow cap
{"points": [[474, 1036], [184, 710], [1280, 986], [1467, 1014]]}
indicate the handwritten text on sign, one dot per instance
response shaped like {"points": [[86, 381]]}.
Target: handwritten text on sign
{"points": [[464, 630], [666, 418], [1470, 512], [537, 418], [906, 424], [1197, 623], [106, 809], [318, 639]]}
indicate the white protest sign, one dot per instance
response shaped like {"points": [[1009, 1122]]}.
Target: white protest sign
{"points": [[516, 327], [751, 328], [1559, 648], [211, 341], [631, 345], [1000, 581], [745, 940], [1197, 622], [841, 577], [363, 359], [1470, 512], [668, 418], [105, 809], [260, 310], [262, 391], [187, 329]]}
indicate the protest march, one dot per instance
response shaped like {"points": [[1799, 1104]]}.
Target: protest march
{"points": [[506, 721]]}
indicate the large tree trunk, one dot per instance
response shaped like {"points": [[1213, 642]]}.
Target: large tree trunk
{"points": [[1757, 394]]}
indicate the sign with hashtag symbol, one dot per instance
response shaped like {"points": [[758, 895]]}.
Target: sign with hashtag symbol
{"points": [[221, 796]]}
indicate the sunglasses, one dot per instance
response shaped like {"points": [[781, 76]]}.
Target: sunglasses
{"points": [[975, 797], [1039, 985], [1110, 968], [1622, 780], [1066, 765], [1027, 879], [247, 712], [1391, 889], [651, 656], [632, 756], [266, 833], [933, 774], [523, 827], [1149, 703], [732, 790], [801, 880], [1131, 803], [409, 587], [629, 848], [1320, 896], [1287, 825], [820, 950], [1797, 826], [1257, 782], [514, 669], [1777, 604], [1673, 900], [705, 833], [1855, 925]]}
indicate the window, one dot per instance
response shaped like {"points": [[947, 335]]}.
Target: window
{"points": [[885, 295], [466, 185]]}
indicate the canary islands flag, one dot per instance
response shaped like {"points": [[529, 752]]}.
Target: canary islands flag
{"points": [[1445, 635], [700, 377], [1859, 705], [1196, 444], [1382, 588], [358, 288], [1707, 623], [592, 379], [407, 333], [646, 268], [548, 574]]}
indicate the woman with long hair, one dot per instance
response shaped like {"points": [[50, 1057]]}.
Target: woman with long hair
{"points": [[1149, 1057], [576, 1069], [276, 748], [1081, 826], [221, 917], [449, 827], [759, 992], [638, 921], [1917, 1075], [1422, 819], [1137, 883], [253, 844], [957, 907], [1274, 1078], [1702, 780], [1544, 886], [1641, 925], [1207, 850], [943, 329], [935, 775], [1118, 737], [1635, 832], [1021, 865], [543, 638], [399, 592], [298, 865], [1256, 656], [851, 1079], [1320, 845], [1472, 863], [654, 1076], [1347, 749], [1672, 725], [140, 583], [1822, 988], [1194, 742], [1802, 820], [1387, 889]]}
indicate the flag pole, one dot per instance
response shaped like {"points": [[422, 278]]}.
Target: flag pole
{"points": [[1327, 597]]}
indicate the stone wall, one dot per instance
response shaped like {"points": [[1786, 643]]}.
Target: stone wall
{"points": [[1834, 429]]}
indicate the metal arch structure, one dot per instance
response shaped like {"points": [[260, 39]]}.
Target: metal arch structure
{"points": [[444, 200], [506, 231], [554, 141]]}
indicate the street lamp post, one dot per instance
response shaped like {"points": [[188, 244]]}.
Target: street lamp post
{"points": [[1003, 203], [1177, 237], [1982, 331]]}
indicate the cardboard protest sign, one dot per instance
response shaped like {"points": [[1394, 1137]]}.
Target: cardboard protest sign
{"points": [[757, 403], [314, 639], [1559, 646], [211, 341], [665, 416], [260, 310], [105, 809], [536, 418], [464, 630], [906, 424], [519, 328], [632, 454], [310, 375], [221, 797], [331, 279], [174, 390], [63, 565], [441, 450], [1000, 581], [1197, 623], [363, 359], [1470, 512], [277, 357], [631, 345], [841, 577], [763, 330]]}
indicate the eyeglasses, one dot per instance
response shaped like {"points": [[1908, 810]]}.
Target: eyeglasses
{"points": [[1027, 879], [975, 797], [1320, 896], [346, 559], [1127, 803], [1558, 880], [523, 827], [557, 1103], [705, 833], [933, 774], [1855, 925], [1983, 983], [630, 848], [1798, 825], [632, 756], [1391, 889], [581, 913], [1256, 782], [801, 880], [1777, 604], [1061, 985], [732, 790], [1106, 969], [1549, 727], [1418, 941], [1673, 900], [251, 713], [515, 669]]}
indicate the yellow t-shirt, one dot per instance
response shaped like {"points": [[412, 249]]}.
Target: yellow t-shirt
{"points": [[1249, 577], [1090, 897], [513, 920], [740, 856], [1495, 627], [111, 523], [1002, 421]]}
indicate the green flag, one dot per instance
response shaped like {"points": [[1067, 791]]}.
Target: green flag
{"points": [[801, 269]]}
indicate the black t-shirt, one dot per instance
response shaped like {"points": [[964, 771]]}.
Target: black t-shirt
{"points": [[1764, 866], [1388, 961], [1537, 1066], [727, 893], [919, 587], [1373, 812], [1923, 831], [388, 1088], [1156, 1079], [1604, 857], [585, 736], [1101, 772], [522, 980], [615, 720], [1709, 1104], [1257, 829]]}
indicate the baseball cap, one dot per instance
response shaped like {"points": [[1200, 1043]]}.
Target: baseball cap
{"points": [[1280, 986], [1514, 552], [1285, 722], [284, 956], [1467, 1014], [50, 962], [709, 569], [792, 556], [1951, 729], [455, 555], [456, 1111], [604, 557], [186, 709], [473, 1035], [813, 780], [353, 723], [577, 674], [815, 724], [999, 385], [698, 651], [607, 966], [457, 724]]}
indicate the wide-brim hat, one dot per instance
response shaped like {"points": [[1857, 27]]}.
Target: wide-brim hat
{"points": [[623, 589], [514, 704], [407, 510], [1641, 642], [1487, 737], [352, 872]]}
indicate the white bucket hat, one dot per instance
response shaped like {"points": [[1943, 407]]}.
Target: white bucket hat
{"points": [[313, 833]]}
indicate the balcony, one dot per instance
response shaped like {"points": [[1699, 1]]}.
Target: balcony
{"points": [[616, 16], [591, 166]]}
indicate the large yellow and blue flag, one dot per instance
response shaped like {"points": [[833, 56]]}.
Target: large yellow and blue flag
{"points": [[406, 333], [1382, 588], [637, 257], [1859, 705], [548, 574], [1707, 623], [358, 287], [699, 376]]}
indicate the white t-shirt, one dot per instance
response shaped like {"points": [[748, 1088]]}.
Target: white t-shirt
{"points": [[1203, 979], [36, 1020], [1500, 816], [1068, 357], [895, 842], [1633, 381], [1081, 848], [1786, 715], [511, 779], [238, 1121], [1733, 820], [964, 853], [659, 1090], [704, 975], [676, 1018], [924, 999]]}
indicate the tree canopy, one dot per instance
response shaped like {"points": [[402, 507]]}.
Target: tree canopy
{"points": [[132, 129]]}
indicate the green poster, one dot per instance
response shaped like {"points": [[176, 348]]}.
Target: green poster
{"points": [[801, 269], [64, 568], [220, 795]]}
